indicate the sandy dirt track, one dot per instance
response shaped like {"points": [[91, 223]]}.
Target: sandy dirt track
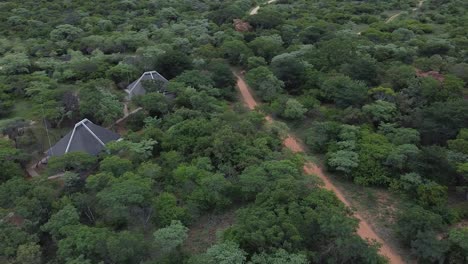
{"points": [[365, 230], [390, 19], [254, 11]]}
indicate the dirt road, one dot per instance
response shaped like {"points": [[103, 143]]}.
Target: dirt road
{"points": [[390, 19], [365, 230], [255, 10], [419, 5]]}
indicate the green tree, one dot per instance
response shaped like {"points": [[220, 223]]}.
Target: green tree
{"points": [[266, 18], [458, 251], [171, 237], [222, 76], [265, 83], [400, 157], [431, 90], [65, 32], [344, 91], [344, 161], [442, 121], [279, 257], [9, 157], [252, 181], [115, 165], [236, 52], [150, 170], [460, 144], [122, 72], [400, 76], [293, 110], [14, 63], [432, 194], [82, 240], [28, 254], [320, 134], [225, 253], [211, 192], [364, 68], [134, 151], [416, 220], [373, 151], [72, 182], [67, 216], [125, 200], [290, 69], [255, 62], [399, 135], [76, 161], [11, 237], [79, 260], [196, 79], [427, 248], [333, 53], [267, 46], [166, 209], [453, 86], [380, 111], [99, 104], [263, 224], [155, 103], [126, 247], [173, 63]]}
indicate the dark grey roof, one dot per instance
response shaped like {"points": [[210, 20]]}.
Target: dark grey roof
{"points": [[86, 137], [136, 88]]}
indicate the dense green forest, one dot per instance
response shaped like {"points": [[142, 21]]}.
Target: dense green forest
{"points": [[377, 91]]}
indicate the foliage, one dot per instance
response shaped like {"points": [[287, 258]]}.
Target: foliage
{"points": [[167, 209], [11, 237], [260, 225], [225, 253], [280, 256], [99, 104], [264, 82], [123, 195], [266, 46], [384, 102], [343, 161], [57, 223], [75, 161], [115, 165], [170, 237], [293, 109], [380, 111], [344, 91], [155, 103], [9, 157], [15, 63], [417, 220]]}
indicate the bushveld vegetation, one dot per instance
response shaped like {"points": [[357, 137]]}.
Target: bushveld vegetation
{"points": [[382, 101]]}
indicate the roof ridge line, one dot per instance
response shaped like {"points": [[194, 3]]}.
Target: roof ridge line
{"points": [[137, 82], [82, 122], [139, 79], [73, 133], [94, 135]]}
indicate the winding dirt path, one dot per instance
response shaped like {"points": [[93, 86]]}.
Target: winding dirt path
{"points": [[365, 230], [419, 5], [390, 19], [254, 11]]}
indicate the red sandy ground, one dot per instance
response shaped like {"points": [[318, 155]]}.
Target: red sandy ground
{"points": [[365, 231]]}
